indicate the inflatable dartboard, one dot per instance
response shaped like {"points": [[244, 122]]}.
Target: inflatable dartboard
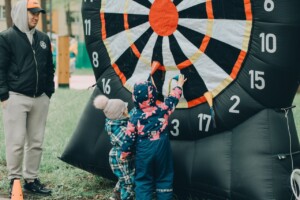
{"points": [[245, 53]]}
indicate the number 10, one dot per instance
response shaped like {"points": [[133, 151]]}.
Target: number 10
{"points": [[268, 42]]}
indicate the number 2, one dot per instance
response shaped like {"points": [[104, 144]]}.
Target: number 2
{"points": [[234, 106]]}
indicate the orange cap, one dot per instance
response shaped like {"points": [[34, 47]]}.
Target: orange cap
{"points": [[34, 6]]}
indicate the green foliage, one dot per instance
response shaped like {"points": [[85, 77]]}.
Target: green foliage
{"points": [[66, 181]]}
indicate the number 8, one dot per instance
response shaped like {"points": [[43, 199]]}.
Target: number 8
{"points": [[95, 59]]}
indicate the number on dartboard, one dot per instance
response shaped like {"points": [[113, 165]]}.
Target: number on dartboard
{"points": [[269, 5], [204, 117], [105, 85], [236, 103], [268, 42], [95, 59], [257, 80], [87, 23], [175, 123]]}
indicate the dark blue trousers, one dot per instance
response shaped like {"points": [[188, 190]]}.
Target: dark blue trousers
{"points": [[154, 169]]}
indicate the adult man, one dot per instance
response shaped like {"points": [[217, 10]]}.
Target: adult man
{"points": [[26, 85]]}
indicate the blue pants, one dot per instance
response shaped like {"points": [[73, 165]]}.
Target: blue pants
{"points": [[154, 169]]}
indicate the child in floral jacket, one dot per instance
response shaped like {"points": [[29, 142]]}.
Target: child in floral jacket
{"points": [[147, 136], [116, 113]]}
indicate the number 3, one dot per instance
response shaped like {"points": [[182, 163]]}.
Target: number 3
{"points": [[176, 127]]}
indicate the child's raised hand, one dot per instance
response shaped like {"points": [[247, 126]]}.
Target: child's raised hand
{"points": [[181, 80]]}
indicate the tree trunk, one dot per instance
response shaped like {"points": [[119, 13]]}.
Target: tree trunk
{"points": [[44, 16], [9, 22]]}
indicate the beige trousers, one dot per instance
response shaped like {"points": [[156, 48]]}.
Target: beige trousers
{"points": [[24, 120]]}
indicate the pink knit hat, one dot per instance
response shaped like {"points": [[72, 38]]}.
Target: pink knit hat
{"points": [[112, 108]]}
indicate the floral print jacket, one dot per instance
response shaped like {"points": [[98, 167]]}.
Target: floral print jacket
{"points": [[148, 120]]}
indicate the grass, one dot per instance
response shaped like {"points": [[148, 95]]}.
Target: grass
{"points": [[66, 181]]}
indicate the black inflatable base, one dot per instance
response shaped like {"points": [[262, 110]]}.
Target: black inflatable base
{"points": [[250, 162]]}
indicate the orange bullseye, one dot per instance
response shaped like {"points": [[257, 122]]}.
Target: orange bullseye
{"points": [[163, 17]]}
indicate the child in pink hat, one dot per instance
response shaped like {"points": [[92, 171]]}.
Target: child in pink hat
{"points": [[116, 113]]}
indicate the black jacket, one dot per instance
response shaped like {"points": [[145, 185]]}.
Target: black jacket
{"points": [[25, 68]]}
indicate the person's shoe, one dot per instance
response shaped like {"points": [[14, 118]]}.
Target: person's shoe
{"points": [[11, 183], [116, 196], [36, 187]]}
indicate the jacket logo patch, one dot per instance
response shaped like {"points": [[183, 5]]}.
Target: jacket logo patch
{"points": [[43, 44]]}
